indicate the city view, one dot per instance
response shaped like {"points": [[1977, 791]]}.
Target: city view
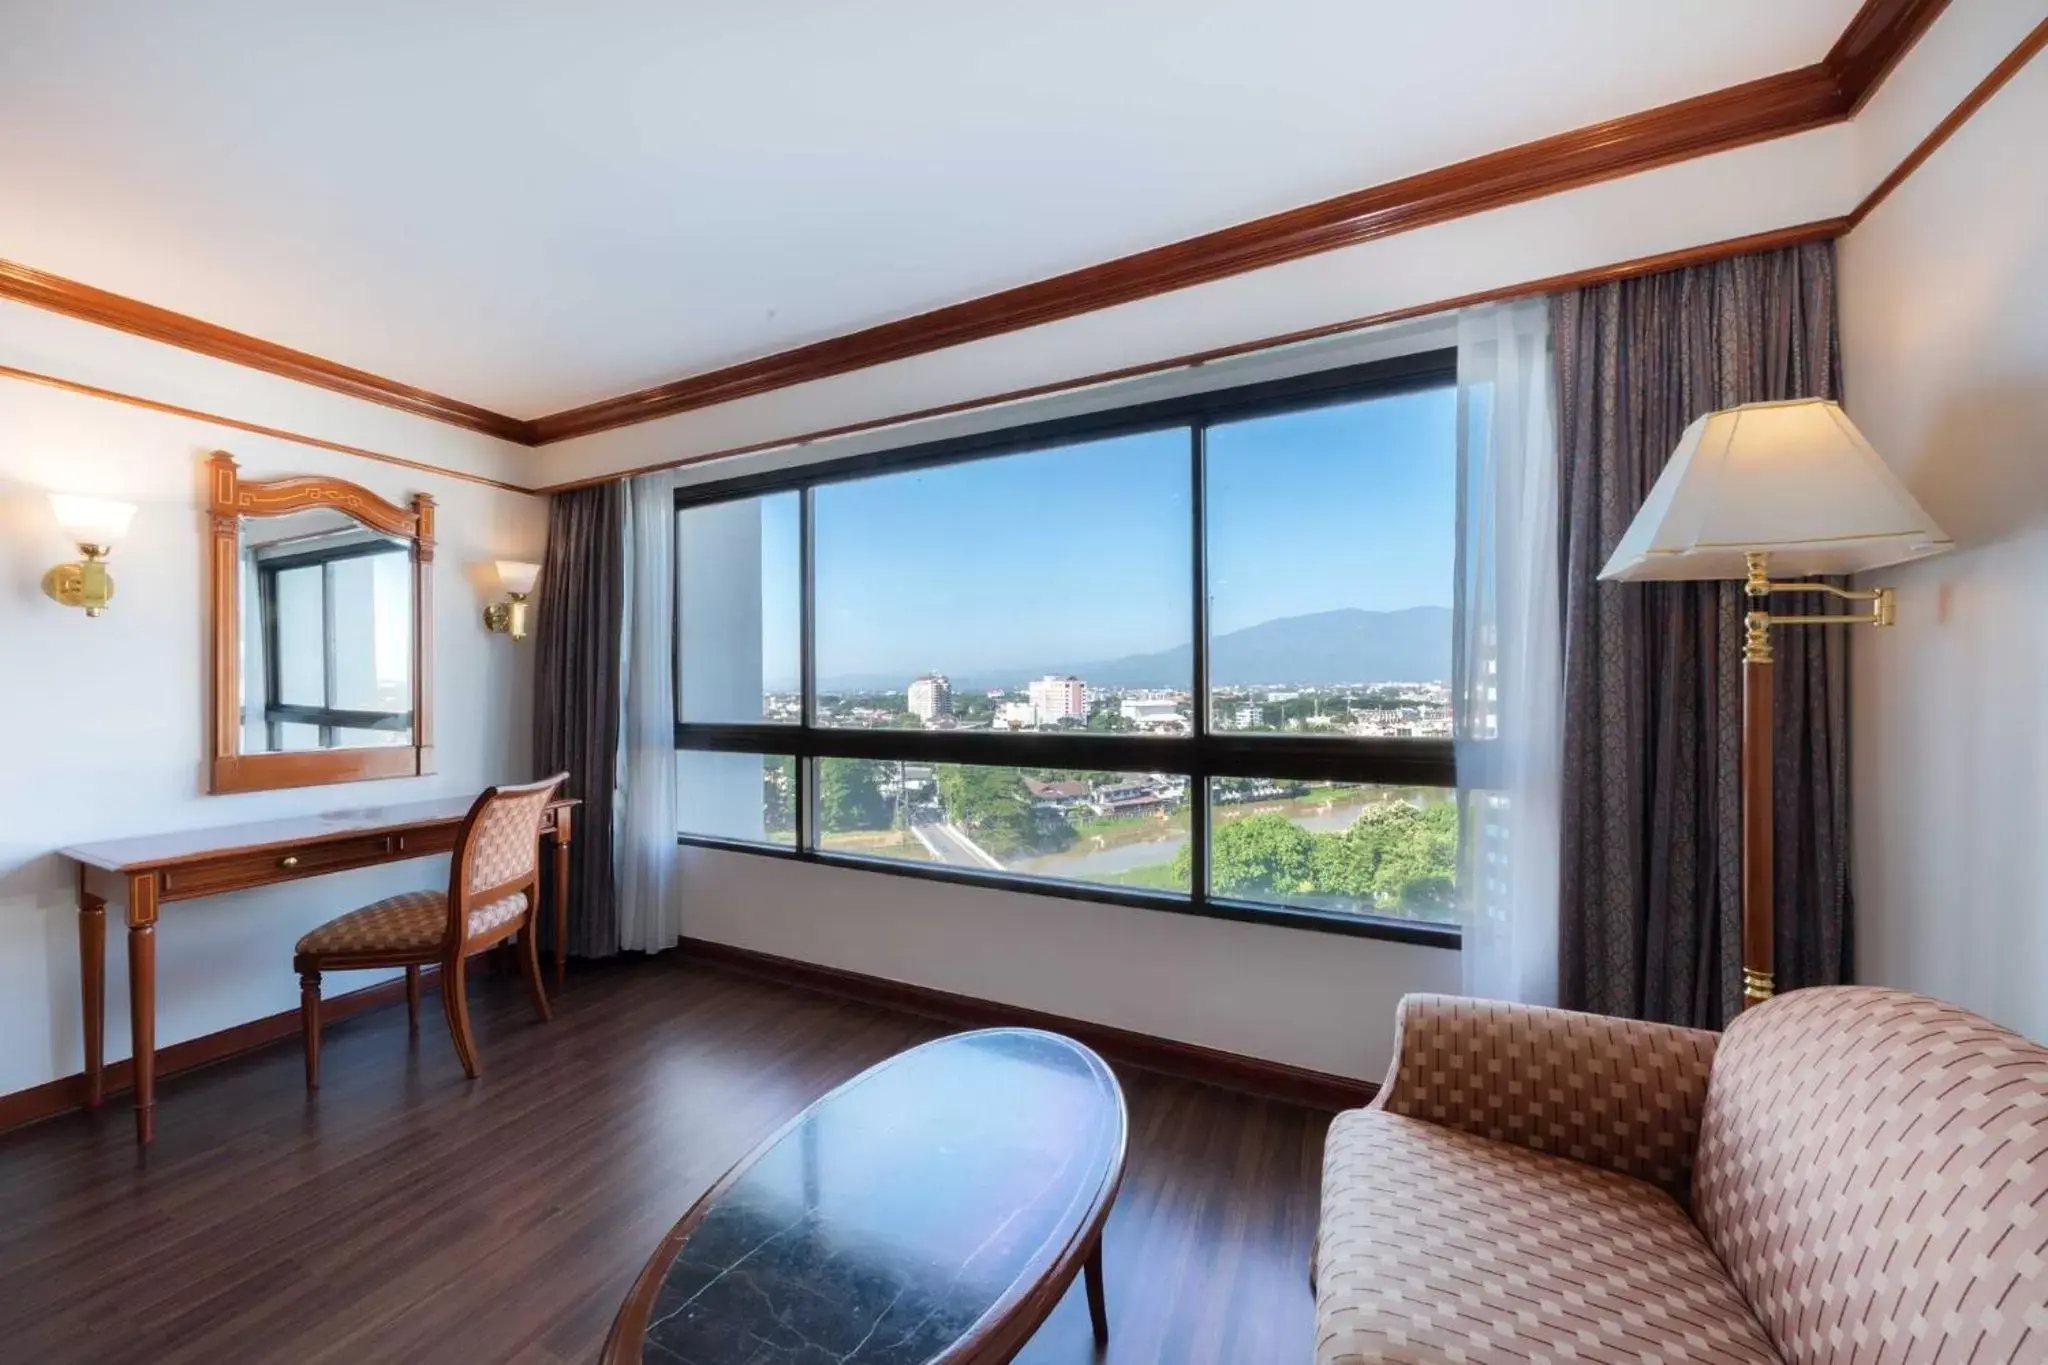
{"points": [[1049, 592], [1357, 848]]}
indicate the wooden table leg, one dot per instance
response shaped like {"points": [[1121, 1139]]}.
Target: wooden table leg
{"points": [[142, 1000], [564, 831], [92, 988], [1098, 1310]]}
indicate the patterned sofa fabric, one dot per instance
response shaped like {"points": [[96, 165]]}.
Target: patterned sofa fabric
{"points": [[1438, 1245], [1869, 1186], [1873, 1171], [1617, 1093]]}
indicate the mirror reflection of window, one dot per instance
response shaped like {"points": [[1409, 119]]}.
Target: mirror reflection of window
{"points": [[328, 635]]}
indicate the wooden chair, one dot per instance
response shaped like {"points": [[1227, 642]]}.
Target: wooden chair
{"points": [[493, 893]]}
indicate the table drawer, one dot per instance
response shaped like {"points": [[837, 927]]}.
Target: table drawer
{"points": [[238, 871]]}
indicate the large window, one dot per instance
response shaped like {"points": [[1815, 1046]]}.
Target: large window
{"points": [[1194, 655]]}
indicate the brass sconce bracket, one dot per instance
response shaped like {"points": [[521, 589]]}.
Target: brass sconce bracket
{"points": [[507, 617], [84, 583]]}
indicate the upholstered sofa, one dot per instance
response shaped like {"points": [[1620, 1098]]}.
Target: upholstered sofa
{"points": [[1848, 1176]]}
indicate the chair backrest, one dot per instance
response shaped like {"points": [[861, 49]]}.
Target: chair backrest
{"points": [[497, 850], [1873, 1171]]}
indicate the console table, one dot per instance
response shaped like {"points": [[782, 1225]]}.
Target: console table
{"points": [[160, 868]]}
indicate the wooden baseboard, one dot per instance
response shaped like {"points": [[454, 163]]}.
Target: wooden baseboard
{"points": [[1230, 1070], [68, 1092]]}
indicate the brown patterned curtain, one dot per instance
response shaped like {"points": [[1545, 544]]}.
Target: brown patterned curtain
{"points": [[576, 701], [1650, 918]]}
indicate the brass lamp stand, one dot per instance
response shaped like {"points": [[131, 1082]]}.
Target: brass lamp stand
{"points": [[1758, 912]]}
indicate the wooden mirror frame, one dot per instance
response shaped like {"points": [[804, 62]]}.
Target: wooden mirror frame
{"points": [[232, 498]]}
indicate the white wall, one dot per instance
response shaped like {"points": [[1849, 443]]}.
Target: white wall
{"points": [[105, 732], [1944, 298], [1309, 999]]}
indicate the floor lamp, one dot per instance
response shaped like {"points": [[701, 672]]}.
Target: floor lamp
{"points": [[1791, 488]]}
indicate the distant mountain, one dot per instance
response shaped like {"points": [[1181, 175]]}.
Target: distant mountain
{"points": [[1327, 647], [1346, 646]]}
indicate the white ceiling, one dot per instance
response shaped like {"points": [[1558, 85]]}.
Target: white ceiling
{"points": [[531, 204]]}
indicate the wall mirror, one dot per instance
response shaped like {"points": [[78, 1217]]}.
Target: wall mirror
{"points": [[322, 621]]}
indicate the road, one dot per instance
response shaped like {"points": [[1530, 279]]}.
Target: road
{"points": [[953, 848]]}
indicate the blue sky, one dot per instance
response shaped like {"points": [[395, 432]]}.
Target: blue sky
{"points": [[1059, 557]]}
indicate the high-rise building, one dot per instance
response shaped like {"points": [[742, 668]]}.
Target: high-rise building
{"points": [[931, 696], [1055, 699]]}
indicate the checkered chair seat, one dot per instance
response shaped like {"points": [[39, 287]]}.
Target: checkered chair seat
{"points": [[1439, 1245], [412, 921]]}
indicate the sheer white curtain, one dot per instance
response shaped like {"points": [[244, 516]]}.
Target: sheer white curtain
{"points": [[650, 919], [1508, 671]]}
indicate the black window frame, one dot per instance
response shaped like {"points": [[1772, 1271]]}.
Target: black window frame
{"points": [[1199, 755], [328, 718]]}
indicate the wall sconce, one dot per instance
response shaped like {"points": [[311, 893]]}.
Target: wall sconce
{"points": [[95, 524], [509, 616]]}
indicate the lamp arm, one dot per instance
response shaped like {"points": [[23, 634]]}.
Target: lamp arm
{"points": [[1844, 594]]}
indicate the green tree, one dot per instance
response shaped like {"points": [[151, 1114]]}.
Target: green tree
{"points": [[1261, 855], [850, 794], [1109, 719]]}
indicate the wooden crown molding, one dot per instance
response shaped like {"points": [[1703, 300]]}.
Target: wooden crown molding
{"points": [[1882, 33], [1828, 91], [59, 295], [1817, 231], [1811, 96]]}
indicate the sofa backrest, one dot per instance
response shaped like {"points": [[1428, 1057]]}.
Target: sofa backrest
{"points": [[1873, 1171]]}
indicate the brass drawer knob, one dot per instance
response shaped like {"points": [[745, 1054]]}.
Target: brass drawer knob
{"points": [[288, 861]]}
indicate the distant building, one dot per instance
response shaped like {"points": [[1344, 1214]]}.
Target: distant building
{"points": [[931, 697], [1060, 796], [1250, 714], [1055, 699], [1151, 712], [1016, 715]]}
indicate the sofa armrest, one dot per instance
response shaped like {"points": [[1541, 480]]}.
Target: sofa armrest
{"points": [[1616, 1093]]}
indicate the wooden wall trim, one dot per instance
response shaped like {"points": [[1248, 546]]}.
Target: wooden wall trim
{"points": [[1828, 91], [1819, 230], [1231, 1070], [1877, 39], [68, 1092], [1811, 96], [56, 294], [253, 428], [1775, 106], [1825, 92], [2029, 48]]}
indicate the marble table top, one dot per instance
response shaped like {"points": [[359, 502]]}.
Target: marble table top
{"points": [[899, 1219]]}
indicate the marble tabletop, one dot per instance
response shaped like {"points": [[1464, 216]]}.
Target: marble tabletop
{"points": [[898, 1218]]}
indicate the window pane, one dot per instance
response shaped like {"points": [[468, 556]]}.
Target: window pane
{"points": [[299, 617], [871, 808], [736, 796], [739, 610], [1105, 829], [373, 633], [346, 737], [293, 736], [1331, 540], [1032, 591], [1363, 850]]}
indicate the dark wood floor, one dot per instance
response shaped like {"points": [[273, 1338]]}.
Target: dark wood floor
{"points": [[406, 1215]]}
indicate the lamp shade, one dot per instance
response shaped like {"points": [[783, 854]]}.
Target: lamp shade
{"points": [[92, 521], [516, 576], [1795, 479]]}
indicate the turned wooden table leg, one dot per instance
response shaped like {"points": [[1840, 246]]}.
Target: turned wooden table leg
{"points": [[92, 986], [142, 1000], [1098, 1310]]}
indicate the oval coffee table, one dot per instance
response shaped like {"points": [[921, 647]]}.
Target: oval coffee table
{"points": [[932, 1209]]}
